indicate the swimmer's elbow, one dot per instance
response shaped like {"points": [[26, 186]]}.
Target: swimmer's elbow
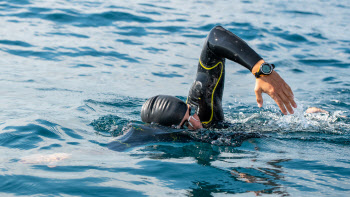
{"points": [[226, 44], [214, 37]]}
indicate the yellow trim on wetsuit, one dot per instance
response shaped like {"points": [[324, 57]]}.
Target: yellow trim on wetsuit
{"points": [[212, 95], [126, 144], [206, 68]]}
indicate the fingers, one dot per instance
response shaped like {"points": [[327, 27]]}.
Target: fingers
{"points": [[287, 103], [288, 97], [280, 103], [293, 103], [289, 93], [284, 98], [290, 100], [259, 98], [283, 101]]}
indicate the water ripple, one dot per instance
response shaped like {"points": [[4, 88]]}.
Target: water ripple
{"points": [[26, 137], [84, 20], [70, 34], [167, 75], [50, 55], [324, 62], [302, 13], [15, 43], [21, 184], [292, 37]]}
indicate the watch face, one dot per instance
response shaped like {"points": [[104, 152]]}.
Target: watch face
{"points": [[266, 69]]}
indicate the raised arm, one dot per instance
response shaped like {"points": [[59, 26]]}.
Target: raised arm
{"points": [[225, 44]]}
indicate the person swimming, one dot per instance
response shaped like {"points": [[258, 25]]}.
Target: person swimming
{"points": [[203, 107]]}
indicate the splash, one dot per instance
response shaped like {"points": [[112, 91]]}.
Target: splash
{"points": [[270, 120], [322, 121], [109, 125]]}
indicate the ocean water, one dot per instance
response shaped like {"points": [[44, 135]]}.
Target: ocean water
{"points": [[74, 75]]}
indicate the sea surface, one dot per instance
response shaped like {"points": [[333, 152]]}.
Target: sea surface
{"points": [[74, 75]]}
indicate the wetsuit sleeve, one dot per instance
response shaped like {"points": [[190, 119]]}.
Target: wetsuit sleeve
{"points": [[225, 44]]}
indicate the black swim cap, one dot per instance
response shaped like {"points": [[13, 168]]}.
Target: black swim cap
{"points": [[164, 110]]}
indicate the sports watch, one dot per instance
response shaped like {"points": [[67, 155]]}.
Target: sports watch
{"points": [[265, 69]]}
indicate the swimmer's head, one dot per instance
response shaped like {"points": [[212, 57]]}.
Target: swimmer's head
{"points": [[164, 110]]}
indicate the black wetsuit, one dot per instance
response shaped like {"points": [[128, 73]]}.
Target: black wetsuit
{"points": [[207, 90]]}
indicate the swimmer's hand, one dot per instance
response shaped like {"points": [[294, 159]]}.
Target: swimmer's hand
{"points": [[277, 89]]}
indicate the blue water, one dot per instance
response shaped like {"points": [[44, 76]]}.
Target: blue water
{"points": [[75, 73]]}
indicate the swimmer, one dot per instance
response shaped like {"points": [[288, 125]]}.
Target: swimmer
{"points": [[203, 108]]}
